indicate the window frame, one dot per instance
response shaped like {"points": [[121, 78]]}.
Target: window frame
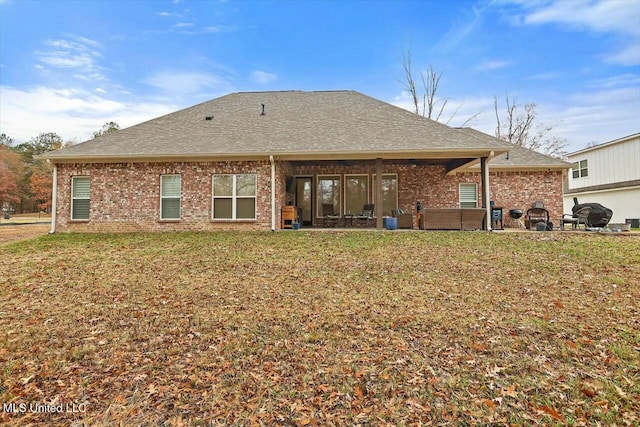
{"points": [[162, 197], [319, 178], [580, 171], [344, 192], [475, 201], [73, 198], [373, 192], [234, 197]]}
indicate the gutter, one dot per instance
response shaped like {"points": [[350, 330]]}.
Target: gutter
{"points": [[54, 208], [273, 193], [390, 154]]}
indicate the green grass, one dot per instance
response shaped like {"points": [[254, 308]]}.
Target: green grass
{"points": [[333, 328]]}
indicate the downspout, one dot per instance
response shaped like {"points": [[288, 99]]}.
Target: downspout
{"points": [[54, 191], [273, 193]]}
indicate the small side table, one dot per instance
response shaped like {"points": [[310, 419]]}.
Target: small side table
{"points": [[496, 217], [289, 216]]}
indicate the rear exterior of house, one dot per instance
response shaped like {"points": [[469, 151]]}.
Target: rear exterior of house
{"points": [[608, 174], [234, 162]]}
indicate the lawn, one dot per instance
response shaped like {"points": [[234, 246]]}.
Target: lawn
{"points": [[321, 328]]}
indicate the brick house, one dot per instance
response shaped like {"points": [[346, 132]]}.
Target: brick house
{"points": [[235, 161]]}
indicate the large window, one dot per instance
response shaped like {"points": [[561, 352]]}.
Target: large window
{"points": [[356, 193], [580, 169], [80, 197], [389, 193], [468, 195], [329, 193], [234, 196], [170, 191]]}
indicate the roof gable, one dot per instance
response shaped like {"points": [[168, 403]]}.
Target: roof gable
{"points": [[518, 157]]}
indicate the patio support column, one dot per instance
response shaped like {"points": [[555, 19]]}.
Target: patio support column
{"points": [[484, 173], [273, 193], [54, 199], [378, 207]]}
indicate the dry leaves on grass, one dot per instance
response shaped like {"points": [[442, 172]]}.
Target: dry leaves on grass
{"points": [[322, 328]]}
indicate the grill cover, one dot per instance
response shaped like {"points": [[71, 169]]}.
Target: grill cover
{"points": [[599, 216]]}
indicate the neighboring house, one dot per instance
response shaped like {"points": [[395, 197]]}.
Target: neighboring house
{"points": [[608, 174], [235, 161]]}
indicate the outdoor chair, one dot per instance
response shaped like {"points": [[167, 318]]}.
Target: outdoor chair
{"points": [[330, 217], [405, 220], [366, 214], [534, 216], [580, 216]]}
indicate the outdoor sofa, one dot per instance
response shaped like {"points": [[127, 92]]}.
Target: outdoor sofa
{"points": [[452, 219]]}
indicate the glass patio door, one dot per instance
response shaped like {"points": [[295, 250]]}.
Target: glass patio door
{"points": [[304, 199]]}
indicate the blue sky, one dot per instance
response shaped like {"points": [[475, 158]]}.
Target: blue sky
{"points": [[70, 66]]}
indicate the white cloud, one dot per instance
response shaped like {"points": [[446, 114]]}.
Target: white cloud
{"points": [[460, 30], [183, 25], [596, 116], [602, 16], [192, 30], [188, 82], [262, 77], [75, 53], [72, 113], [617, 17], [553, 75], [63, 60], [629, 55], [492, 65]]}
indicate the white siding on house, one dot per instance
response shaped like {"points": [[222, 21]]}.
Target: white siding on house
{"points": [[625, 203], [609, 163]]}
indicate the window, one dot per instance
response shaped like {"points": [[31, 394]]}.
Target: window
{"points": [[170, 190], [234, 196], [580, 169], [356, 193], [389, 193], [329, 193], [80, 197], [469, 195]]}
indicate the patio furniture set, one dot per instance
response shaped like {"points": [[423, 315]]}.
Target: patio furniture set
{"points": [[428, 219], [588, 215]]}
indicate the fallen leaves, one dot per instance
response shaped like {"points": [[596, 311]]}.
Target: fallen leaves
{"points": [[301, 329], [554, 414]]}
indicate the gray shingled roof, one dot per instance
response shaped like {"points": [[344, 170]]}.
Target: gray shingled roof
{"points": [[518, 157], [296, 124]]}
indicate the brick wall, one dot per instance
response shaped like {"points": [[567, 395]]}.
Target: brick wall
{"points": [[126, 196]]}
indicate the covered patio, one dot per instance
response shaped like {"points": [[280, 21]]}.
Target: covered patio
{"points": [[431, 183]]}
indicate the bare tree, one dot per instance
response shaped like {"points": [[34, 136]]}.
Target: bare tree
{"points": [[425, 100], [518, 127]]}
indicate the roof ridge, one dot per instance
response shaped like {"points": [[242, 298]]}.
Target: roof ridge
{"points": [[294, 91]]}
